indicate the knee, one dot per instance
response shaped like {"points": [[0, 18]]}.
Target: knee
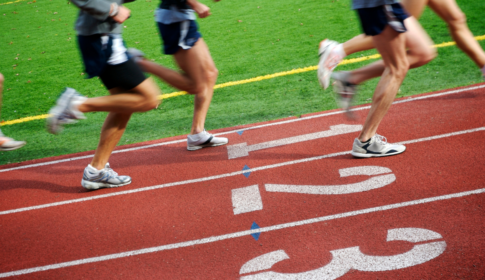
{"points": [[212, 74], [428, 55], [148, 104], [456, 21], [399, 72], [195, 87], [2, 79], [424, 56]]}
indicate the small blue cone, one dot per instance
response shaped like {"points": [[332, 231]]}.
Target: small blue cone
{"points": [[246, 173], [240, 132], [255, 235]]}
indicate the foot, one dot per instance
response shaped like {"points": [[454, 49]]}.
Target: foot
{"points": [[65, 111], [377, 146], [8, 144], [328, 61], [94, 179], [204, 139], [136, 54], [345, 91]]}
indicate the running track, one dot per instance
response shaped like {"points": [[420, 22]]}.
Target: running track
{"points": [[285, 200]]}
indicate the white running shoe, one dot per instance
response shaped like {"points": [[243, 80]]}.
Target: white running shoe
{"points": [[328, 61], [377, 146], [204, 139], [345, 91], [94, 179], [8, 144], [65, 111]]}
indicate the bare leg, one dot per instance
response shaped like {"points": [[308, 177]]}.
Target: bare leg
{"points": [[359, 43], [113, 128], [418, 54], [396, 61], [198, 77], [392, 47], [2, 79], [145, 94], [145, 99], [199, 66], [449, 11], [363, 42]]}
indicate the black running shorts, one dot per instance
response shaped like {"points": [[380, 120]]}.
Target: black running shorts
{"points": [[374, 20], [126, 75]]}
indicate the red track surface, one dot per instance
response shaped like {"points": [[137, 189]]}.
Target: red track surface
{"points": [[193, 211]]}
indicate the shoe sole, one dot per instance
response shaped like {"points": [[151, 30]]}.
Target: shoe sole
{"points": [[96, 186], [12, 148], [360, 155], [324, 82], [53, 124], [195, 148]]}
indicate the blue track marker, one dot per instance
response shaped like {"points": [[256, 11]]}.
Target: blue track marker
{"points": [[248, 172], [240, 132], [255, 235]]}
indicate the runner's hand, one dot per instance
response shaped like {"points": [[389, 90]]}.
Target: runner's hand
{"points": [[123, 14], [202, 10]]}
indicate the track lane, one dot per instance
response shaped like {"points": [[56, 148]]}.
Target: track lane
{"points": [[198, 210], [166, 164]]}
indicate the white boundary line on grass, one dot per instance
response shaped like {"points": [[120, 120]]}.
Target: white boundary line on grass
{"points": [[247, 128], [238, 234], [210, 178]]}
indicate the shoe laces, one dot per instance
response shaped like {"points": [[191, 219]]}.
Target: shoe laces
{"points": [[110, 171], [380, 139]]}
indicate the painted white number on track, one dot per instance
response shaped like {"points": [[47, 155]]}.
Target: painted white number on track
{"points": [[242, 149], [352, 258], [248, 199]]}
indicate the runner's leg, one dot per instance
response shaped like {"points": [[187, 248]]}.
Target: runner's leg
{"points": [[197, 63], [419, 53], [6, 143], [449, 11], [116, 121], [392, 47], [363, 42], [145, 99]]}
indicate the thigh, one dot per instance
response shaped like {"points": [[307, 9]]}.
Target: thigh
{"points": [[414, 7], [417, 40], [195, 61], [446, 9], [392, 47]]}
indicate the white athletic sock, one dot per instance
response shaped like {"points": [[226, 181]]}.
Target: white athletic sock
{"points": [[340, 51], [92, 169]]}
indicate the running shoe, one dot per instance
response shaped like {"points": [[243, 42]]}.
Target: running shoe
{"points": [[345, 91], [328, 61], [377, 146], [8, 144], [65, 111], [204, 139], [94, 179]]}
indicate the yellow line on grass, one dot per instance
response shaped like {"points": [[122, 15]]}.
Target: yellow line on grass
{"points": [[252, 80], [11, 2]]}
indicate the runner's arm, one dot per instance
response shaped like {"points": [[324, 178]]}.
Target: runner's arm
{"points": [[102, 9], [201, 9]]}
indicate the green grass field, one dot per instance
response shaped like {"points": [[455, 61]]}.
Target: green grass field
{"points": [[247, 39]]}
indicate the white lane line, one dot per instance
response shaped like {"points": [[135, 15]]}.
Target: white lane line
{"points": [[224, 175], [248, 128], [213, 239]]}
